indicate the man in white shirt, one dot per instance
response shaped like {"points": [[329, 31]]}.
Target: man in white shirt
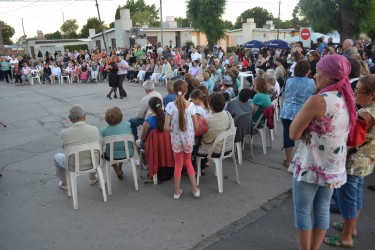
{"points": [[195, 55], [123, 67], [144, 110], [12, 62]]}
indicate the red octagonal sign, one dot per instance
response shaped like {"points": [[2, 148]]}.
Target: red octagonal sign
{"points": [[305, 34]]}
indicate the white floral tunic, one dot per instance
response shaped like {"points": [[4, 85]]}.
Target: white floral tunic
{"points": [[321, 154], [181, 140], [362, 162]]}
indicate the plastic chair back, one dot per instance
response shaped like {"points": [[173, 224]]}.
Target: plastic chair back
{"points": [[126, 139]]}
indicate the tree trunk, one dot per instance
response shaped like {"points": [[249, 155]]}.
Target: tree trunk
{"points": [[348, 28]]}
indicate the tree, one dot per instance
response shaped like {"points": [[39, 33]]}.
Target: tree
{"points": [[70, 26], [8, 32], [182, 22], [92, 23], [141, 13], [51, 36], [206, 17], [228, 25], [348, 17], [259, 14], [299, 20]]}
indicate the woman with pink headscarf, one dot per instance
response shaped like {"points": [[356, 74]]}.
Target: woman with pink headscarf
{"points": [[323, 126]]}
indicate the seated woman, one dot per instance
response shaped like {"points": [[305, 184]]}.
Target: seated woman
{"points": [[171, 96], [149, 69], [154, 121], [157, 71], [218, 120], [261, 99], [207, 81], [227, 86], [55, 72], [94, 71], [113, 116], [84, 72]]}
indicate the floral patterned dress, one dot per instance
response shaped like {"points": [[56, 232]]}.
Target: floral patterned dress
{"points": [[321, 154], [362, 163], [182, 141]]}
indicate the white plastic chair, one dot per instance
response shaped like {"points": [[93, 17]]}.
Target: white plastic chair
{"points": [[67, 79], [243, 125], [129, 159], [95, 150], [141, 163], [275, 103], [36, 78], [222, 137], [263, 134]]}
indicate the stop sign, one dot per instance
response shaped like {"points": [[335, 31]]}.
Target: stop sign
{"points": [[305, 34]]}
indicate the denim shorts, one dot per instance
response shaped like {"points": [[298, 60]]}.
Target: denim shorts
{"points": [[288, 143], [349, 196], [311, 205]]}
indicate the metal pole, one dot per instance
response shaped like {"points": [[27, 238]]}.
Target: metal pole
{"points": [[24, 37], [161, 23], [278, 22], [101, 25]]}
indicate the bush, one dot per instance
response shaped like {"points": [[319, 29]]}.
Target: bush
{"points": [[76, 47], [231, 49], [188, 43]]}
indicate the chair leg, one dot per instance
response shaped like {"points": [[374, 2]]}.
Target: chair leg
{"points": [[272, 136], [108, 176], [264, 140], [198, 169], [134, 170], [73, 181], [155, 178], [236, 168], [219, 172], [251, 146], [68, 183], [99, 171], [239, 152]]}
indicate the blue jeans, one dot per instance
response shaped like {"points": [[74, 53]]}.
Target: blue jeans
{"points": [[349, 196], [311, 205], [134, 123]]}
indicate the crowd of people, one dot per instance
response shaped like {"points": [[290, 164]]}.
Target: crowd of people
{"points": [[325, 89]]}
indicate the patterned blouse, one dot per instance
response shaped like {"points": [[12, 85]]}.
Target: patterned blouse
{"points": [[321, 154], [182, 141], [362, 162]]}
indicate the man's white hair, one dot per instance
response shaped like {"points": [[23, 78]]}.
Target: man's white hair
{"points": [[148, 85], [271, 73], [76, 111]]}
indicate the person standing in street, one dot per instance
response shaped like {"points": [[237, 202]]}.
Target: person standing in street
{"points": [[123, 67]]}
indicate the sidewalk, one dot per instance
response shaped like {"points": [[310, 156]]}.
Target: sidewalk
{"points": [[36, 214]]}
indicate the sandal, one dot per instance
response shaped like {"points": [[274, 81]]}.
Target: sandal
{"points": [[148, 181], [340, 227], [286, 163], [336, 241]]}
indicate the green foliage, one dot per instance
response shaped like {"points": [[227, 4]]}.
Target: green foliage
{"points": [[299, 19], [206, 17], [231, 49], [76, 47], [182, 22], [8, 32], [348, 17], [112, 25], [92, 23], [228, 25], [53, 36], [188, 43], [141, 13], [259, 14], [69, 26]]}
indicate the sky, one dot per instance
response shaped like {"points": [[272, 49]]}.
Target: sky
{"points": [[48, 15]]}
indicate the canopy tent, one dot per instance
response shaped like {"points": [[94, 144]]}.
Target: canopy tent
{"points": [[253, 44], [277, 44], [314, 36]]}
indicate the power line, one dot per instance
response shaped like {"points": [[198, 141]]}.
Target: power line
{"points": [[20, 7]]}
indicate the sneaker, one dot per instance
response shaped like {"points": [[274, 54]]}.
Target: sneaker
{"points": [[197, 194], [177, 196], [92, 182], [137, 162], [62, 186]]}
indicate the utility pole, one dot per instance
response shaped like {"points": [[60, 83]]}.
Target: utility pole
{"points": [[63, 17], [101, 25], [24, 35], [278, 22], [161, 23]]}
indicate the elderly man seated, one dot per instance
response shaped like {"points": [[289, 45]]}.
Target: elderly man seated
{"points": [[78, 133], [144, 110]]}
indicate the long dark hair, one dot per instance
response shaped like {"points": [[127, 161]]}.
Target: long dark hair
{"points": [[157, 107]]}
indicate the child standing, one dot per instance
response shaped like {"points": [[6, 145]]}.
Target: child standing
{"points": [[184, 121]]}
